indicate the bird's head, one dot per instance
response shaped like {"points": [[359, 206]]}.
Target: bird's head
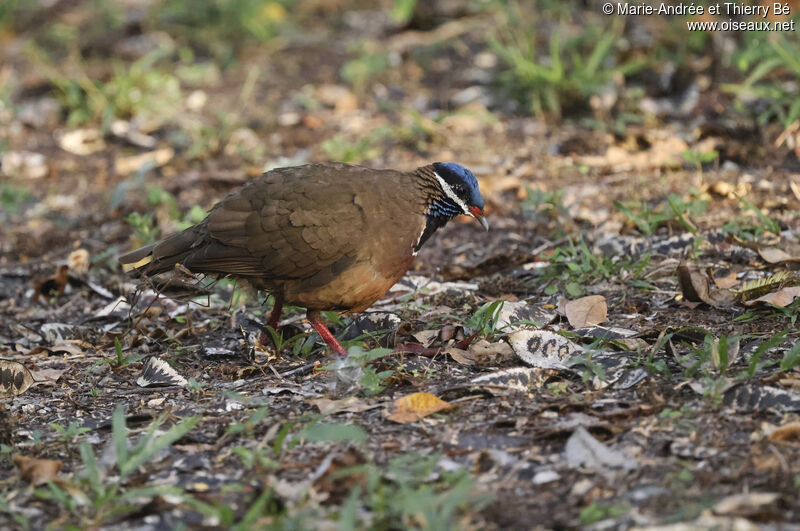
{"points": [[460, 188]]}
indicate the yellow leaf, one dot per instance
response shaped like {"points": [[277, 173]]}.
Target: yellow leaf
{"points": [[415, 406], [273, 12]]}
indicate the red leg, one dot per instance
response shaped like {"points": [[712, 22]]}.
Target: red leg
{"points": [[316, 321], [274, 318]]}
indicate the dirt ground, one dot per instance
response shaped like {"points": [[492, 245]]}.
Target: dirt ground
{"points": [[598, 359]]}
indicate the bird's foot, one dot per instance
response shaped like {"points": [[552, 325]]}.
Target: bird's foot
{"points": [[316, 321], [267, 339]]}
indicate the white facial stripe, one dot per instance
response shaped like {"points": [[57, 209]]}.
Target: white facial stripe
{"points": [[414, 252], [452, 195]]}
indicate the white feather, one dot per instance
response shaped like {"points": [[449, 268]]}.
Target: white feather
{"points": [[448, 191], [416, 245]]}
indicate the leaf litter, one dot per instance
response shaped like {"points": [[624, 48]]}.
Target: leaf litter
{"points": [[636, 398]]}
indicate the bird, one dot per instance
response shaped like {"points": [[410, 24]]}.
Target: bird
{"points": [[322, 236]]}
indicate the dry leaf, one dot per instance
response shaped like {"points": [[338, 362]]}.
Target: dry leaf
{"points": [[37, 471], [413, 407], [747, 504], [126, 130], [328, 479], [157, 372], [47, 375], [773, 255], [586, 311], [543, 349], [159, 157], [522, 379], [337, 96], [481, 353], [795, 189], [352, 404], [517, 315], [663, 152], [726, 281], [71, 348], [15, 378], [723, 189], [82, 141], [583, 450], [78, 261], [24, 164], [695, 287], [787, 432], [783, 297], [693, 284]]}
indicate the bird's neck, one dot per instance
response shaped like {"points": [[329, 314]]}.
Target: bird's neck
{"points": [[439, 209]]}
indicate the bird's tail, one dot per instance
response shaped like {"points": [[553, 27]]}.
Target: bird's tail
{"points": [[163, 255]]}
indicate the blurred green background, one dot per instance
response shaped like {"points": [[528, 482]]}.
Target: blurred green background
{"points": [[105, 91], [105, 59]]}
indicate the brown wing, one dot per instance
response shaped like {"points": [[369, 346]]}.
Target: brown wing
{"points": [[289, 223]]}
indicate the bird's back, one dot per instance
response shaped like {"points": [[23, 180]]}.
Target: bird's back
{"points": [[329, 235]]}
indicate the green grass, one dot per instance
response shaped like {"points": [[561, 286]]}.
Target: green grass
{"points": [[95, 498], [340, 149], [411, 490], [772, 64], [548, 73], [12, 197], [594, 512], [676, 211], [139, 89], [221, 28], [144, 227], [543, 205], [697, 158], [575, 267], [67, 435], [751, 224], [365, 67], [485, 319]]}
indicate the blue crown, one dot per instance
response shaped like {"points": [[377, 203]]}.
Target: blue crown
{"points": [[461, 180]]}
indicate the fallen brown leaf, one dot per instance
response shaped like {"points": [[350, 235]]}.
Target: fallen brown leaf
{"points": [[726, 281], [783, 297], [695, 287], [481, 353], [47, 375], [82, 141], [330, 479], [78, 261], [773, 255], [37, 471], [746, 504], [586, 311], [787, 432], [15, 378], [352, 404], [130, 164], [662, 153], [413, 407], [693, 284]]}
